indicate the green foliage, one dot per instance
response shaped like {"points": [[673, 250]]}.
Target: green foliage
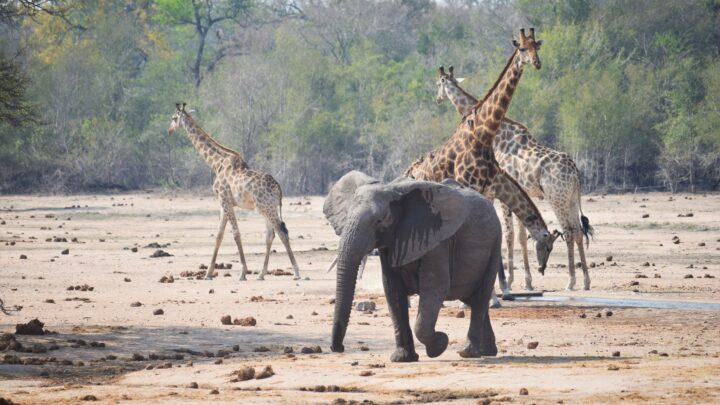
{"points": [[310, 90]]}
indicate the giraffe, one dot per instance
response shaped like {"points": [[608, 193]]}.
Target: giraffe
{"points": [[543, 173], [468, 155], [236, 184]]}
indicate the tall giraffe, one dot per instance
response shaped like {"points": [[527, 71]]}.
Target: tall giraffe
{"points": [[543, 173], [236, 184], [468, 156]]}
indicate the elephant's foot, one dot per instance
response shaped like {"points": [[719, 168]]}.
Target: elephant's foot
{"points": [[339, 348], [508, 297], [438, 345], [473, 351], [402, 355]]}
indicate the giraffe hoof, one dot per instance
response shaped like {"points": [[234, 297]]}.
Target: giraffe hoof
{"points": [[296, 278], [261, 278]]}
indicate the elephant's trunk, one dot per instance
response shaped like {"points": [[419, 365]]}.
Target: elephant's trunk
{"points": [[347, 270]]}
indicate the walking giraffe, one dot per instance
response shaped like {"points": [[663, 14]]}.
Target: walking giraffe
{"points": [[236, 184], [543, 173], [468, 156]]}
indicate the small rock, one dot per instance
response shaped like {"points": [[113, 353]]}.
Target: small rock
{"points": [[608, 313], [127, 280], [138, 357], [193, 385], [640, 276], [663, 354], [158, 312], [289, 317], [247, 321], [160, 253], [366, 373], [656, 275], [365, 306], [613, 367], [219, 361], [136, 304], [688, 276], [364, 348], [212, 291], [23, 257], [653, 351], [608, 258], [49, 301], [633, 283], [532, 345], [708, 275], [89, 398], [261, 349], [214, 392], [701, 244], [287, 349], [267, 372], [226, 320], [524, 391], [236, 348], [583, 316], [65, 252], [247, 373], [313, 313], [134, 249], [460, 314], [646, 216], [34, 327], [311, 350], [616, 354]]}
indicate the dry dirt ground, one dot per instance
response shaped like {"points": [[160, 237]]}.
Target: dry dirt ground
{"points": [[586, 353]]}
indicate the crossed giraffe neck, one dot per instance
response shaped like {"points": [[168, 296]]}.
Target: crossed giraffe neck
{"points": [[214, 154]]}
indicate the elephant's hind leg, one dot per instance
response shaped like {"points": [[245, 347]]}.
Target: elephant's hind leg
{"points": [[481, 338]]}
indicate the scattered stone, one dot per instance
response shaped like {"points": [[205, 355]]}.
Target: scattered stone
{"points": [[616, 354], [592, 265], [313, 313], [653, 351], [212, 291], [49, 301], [640, 276], [193, 385], [89, 398], [608, 258], [656, 275], [167, 279], [287, 349], [138, 357], [23, 257], [247, 321], [158, 312], [219, 361], [127, 280], [247, 373], [365, 306], [214, 392], [366, 373], [65, 252], [583, 316], [160, 253], [136, 304], [289, 317], [524, 391], [236, 348], [608, 313], [226, 320], [34, 327], [134, 249], [613, 367], [261, 349], [688, 276], [633, 283], [364, 349], [311, 350], [708, 275], [663, 354], [460, 314], [332, 301], [267, 372], [532, 345], [646, 216], [701, 244]]}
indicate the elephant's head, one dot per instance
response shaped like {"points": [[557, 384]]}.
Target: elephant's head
{"points": [[405, 219]]}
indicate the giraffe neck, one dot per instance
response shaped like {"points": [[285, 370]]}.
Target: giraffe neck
{"points": [[214, 154], [507, 190], [460, 99], [490, 111]]}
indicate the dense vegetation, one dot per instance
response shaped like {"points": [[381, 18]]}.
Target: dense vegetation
{"points": [[309, 89]]}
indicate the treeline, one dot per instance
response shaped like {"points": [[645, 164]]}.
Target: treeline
{"points": [[309, 89]]}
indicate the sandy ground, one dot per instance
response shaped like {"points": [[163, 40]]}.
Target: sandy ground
{"points": [[662, 355]]}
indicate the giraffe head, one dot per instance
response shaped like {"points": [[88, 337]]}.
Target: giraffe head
{"points": [[177, 118], [445, 82], [544, 247], [528, 48]]}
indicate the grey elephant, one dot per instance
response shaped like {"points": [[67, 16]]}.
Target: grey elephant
{"points": [[440, 241]]}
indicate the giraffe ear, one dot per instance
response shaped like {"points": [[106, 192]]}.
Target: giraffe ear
{"points": [[441, 70], [538, 43], [460, 79], [177, 105], [451, 69], [515, 43], [183, 106]]}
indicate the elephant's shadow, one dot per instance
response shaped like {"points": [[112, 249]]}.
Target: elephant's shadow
{"points": [[539, 359]]}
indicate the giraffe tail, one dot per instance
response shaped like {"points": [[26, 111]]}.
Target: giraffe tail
{"points": [[588, 230], [283, 227]]}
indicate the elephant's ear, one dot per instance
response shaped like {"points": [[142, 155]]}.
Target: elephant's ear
{"points": [[429, 214], [340, 197]]}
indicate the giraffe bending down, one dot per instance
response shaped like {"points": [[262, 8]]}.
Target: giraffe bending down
{"points": [[236, 184], [541, 171], [468, 156]]}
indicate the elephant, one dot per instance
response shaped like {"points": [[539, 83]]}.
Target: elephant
{"points": [[438, 240]]}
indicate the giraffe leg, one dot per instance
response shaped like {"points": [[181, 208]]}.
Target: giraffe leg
{"points": [[569, 235], [509, 242], [238, 241], [282, 233], [269, 238], [522, 240], [218, 242], [583, 263]]}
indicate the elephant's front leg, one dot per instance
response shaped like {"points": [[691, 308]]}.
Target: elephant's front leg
{"points": [[434, 286], [397, 299]]}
